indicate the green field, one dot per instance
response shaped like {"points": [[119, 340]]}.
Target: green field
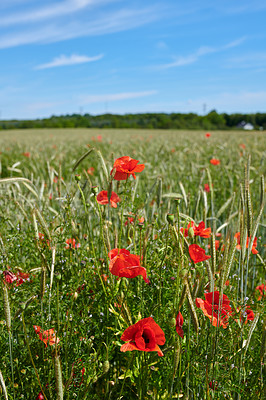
{"points": [[49, 180]]}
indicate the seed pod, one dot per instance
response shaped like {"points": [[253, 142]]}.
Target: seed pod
{"points": [[106, 366], [7, 308]]}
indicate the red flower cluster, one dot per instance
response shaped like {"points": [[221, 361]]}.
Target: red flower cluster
{"points": [[216, 310], [254, 245], [47, 337], [145, 335], [131, 220], [197, 254], [71, 244], [126, 166], [215, 161], [102, 198], [199, 230], [124, 264]]}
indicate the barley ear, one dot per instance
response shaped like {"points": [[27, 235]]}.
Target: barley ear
{"points": [[58, 378]]}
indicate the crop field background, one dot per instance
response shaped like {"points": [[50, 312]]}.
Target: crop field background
{"points": [[186, 316]]}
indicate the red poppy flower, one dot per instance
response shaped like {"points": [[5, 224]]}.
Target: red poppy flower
{"points": [[197, 254], [207, 135], [246, 313], [199, 230], [215, 161], [90, 171], [217, 245], [262, 289], [9, 277], [124, 264], [71, 244], [179, 324], [126, 166], [145, 335], [47, 337], [22, 277], [254, 245], [131, 220], [26, 154], [40, 396], [210, 307], [102, 198], [206, 187], [242, 145]]}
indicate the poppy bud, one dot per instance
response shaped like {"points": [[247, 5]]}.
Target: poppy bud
{"points": [[170, 219], [94, 190], [106, 366], [191, 232], [58, 276], [183, 273], [172, 322], [78, 178]]}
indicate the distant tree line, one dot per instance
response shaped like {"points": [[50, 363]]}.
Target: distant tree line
{"points": [[211, 121]]}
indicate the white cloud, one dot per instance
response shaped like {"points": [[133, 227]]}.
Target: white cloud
{"points": [[202, 51], [71, 60], [114, 97], [86, 25]]}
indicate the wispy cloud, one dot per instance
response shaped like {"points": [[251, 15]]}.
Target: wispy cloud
{"points": [[87, 25], [202, 51], [114, 97], [52, 11], [71, 60]]}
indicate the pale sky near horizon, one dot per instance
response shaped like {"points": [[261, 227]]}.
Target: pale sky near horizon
{"points": [[131, 56]]}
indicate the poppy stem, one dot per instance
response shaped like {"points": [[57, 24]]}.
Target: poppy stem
{"points": [[122, 215]]}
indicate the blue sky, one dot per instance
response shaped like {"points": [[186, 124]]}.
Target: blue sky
{"points": [[131, 56]]}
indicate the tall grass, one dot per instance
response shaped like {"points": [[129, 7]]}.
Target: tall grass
{"points": [[49, 205]]}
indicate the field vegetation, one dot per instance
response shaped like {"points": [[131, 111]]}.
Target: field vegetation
{"points": [[121, 288]]}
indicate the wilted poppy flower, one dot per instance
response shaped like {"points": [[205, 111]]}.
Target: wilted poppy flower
{"points": [[199, 230], [145, 335], [102, 198], [197, 254], [215, 161], [254, 245], [210, 308], [47, 337], [262, 289], [71, 244], [207, 135], [9, 277], [179, 324], [126, 166], [213, 385], [124, 264]]}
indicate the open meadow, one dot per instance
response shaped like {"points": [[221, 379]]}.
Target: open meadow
{"points": [[126, 280]]}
